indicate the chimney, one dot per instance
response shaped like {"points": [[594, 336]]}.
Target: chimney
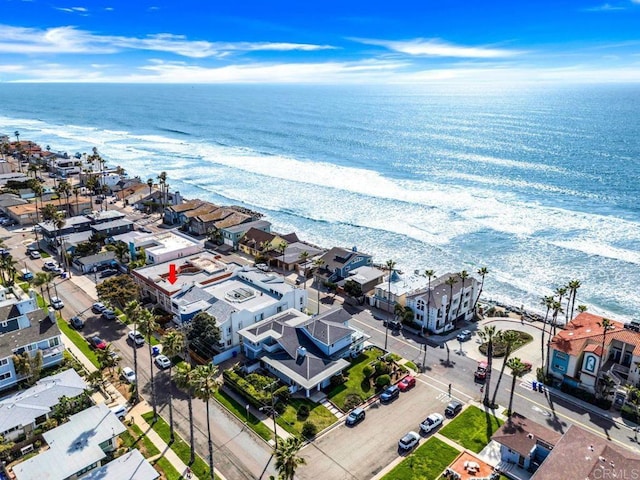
{"points": [[52, 315], [301, 352]]}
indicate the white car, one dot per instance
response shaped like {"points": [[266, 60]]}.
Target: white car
{"points": [[34, 254], [129, 375], [136, 338], [409, 441], [262, 266], [120, 411], [162, 361], [98, 307], [57, 303], [431, 422]]}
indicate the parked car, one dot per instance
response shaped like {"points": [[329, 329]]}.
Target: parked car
{"points": [[120, 411], [108, 314], [57, 303], [109, 272], [464, 335], [453, 408], [392, 324], [129, 375], [480, 374], [262, 266], [633, 325], [355, 416], [409, 441], [162, 361], [136, 337], [26, 274], [144, 230], [34, 254], [98, 307], [77, 323], [97, 343], [49, 265], [391, 393], [406, 383], [431, 422]]}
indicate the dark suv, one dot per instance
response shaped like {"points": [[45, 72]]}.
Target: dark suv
{"points": [[392, 324], [356, 416], [453, 408], [633, 325], [390, 393]]}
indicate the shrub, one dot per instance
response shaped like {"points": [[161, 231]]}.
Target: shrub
{"points": [[283, 394], [383, 380], [367, 371], [352, 400], [629, 413], [337, 380], [382, 368], [303, 411], [309, 430]]}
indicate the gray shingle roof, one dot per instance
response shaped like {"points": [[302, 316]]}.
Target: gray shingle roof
{"points": [[130, 466], [41, 329]]}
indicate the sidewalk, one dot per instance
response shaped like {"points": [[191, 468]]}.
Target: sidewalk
{"points": [[75, 351]]}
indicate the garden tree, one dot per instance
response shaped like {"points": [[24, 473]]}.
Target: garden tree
{"points": [[451, 281], [5, 448], [463, 276], [215, 235], [353, 289], [28, 366], [483, 272], [42, 280], [49, 212], [518, 369], [429, 274], [205, 387], [488, 334], [172, 345], [303, 257], [282, 247], [547, 302], [147, 325], [120, 249], [185, 379], [287, 459], [84, 249], [203, 332], [106, 358], [582, 308], [317, 265], [8, 266], [118, 291], [96, 378], [509, 340], [573, 285], [633, 398], [606, 386], [132, 311]]}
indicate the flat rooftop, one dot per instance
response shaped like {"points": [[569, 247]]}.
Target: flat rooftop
{"points": [[166, 242]]}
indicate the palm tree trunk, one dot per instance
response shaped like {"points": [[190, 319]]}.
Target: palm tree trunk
{"points": [[487, 382], [153, 390], [504, 365], [172, 437], [135, 366], [513, 388], [210, 444], [191, 435]]}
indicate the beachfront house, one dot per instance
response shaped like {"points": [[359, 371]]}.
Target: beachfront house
{"points": [[231, 235], [431, 307], [261, 243], [584, 352], [26, 329], [304, 352], [337, 263], [164, 246]]}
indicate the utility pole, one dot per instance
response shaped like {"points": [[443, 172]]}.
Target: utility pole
{"points": [[273, 409], [424, 359]]}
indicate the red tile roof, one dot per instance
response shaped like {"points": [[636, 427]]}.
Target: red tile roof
{"points": [[584, 331]]}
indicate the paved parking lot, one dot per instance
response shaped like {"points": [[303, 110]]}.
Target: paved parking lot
{"points": [[360, 452]]}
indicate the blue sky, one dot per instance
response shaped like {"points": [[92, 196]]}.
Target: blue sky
{"points": [[331, 41]]}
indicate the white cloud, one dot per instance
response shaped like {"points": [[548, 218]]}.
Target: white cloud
{"points": [[72, 40], [438, 48], [606, 7], [80, 10]]}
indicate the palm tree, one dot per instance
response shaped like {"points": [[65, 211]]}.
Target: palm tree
{"points": [[38, 191], [547, 302], [487, 335], [633, 397], [429, 274], [91, 184], [287, 459], [148, 325], [451, 281], [282, 247], [509, 340], [582, 308], [172, 345], [42, 280], [391, 265], [483, 271], [120, 249], [463, 276], [206, 386], [105, 358], [185, 375], [573, 285], [317, 265], [150, 184], [76, 192], [518, 369], [561, 292], [132, 311], [606, 325], [17, 134], [556, 307], [162, 181], [303, 257]]}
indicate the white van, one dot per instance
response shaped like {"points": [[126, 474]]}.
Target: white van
{"points": [[120, 411]]}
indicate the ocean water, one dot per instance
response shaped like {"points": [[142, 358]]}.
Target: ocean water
{"points": [[539, 185]]}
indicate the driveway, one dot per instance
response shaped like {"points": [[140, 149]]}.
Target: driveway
{"points": [[360, 452]]}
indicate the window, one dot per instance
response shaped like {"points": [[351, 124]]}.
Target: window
{"points": [[3, 362], [229, 331], [3, 324], [54, 342], [228, 343], [5, 376]]}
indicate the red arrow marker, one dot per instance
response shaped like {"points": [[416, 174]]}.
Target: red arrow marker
{"points": [[173, 276]]}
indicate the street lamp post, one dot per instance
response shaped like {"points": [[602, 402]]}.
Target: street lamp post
{"points": [[247, 417], [424, 359]]}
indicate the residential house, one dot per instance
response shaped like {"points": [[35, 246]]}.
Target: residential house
{"points": [[338, 262], [185, 218], [304, 352], [9, 200], [72, 225], [431, 307], [26, 328], [257, 242], [26, 214], [172, 212], [367, 277], [524, 443], [115, 227], [12, 177], [22, 412], [105, 216], [583, 350], [75, 448], [165, 246], [293, 256], [231, 235], [203, 224], [386, 294], [95, 262], [580, 454], [247, 297], [129, 466]]}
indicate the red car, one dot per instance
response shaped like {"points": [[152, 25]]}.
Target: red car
{"points": [[98, 343], [406, 383]]}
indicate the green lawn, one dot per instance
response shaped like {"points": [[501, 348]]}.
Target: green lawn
{"points": [[240, 411], [319, 415], [411, 365], [169, 470], [499, 347], [79, 341], [427, 462], [472, 428], [180, 447], [355, 383]]}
